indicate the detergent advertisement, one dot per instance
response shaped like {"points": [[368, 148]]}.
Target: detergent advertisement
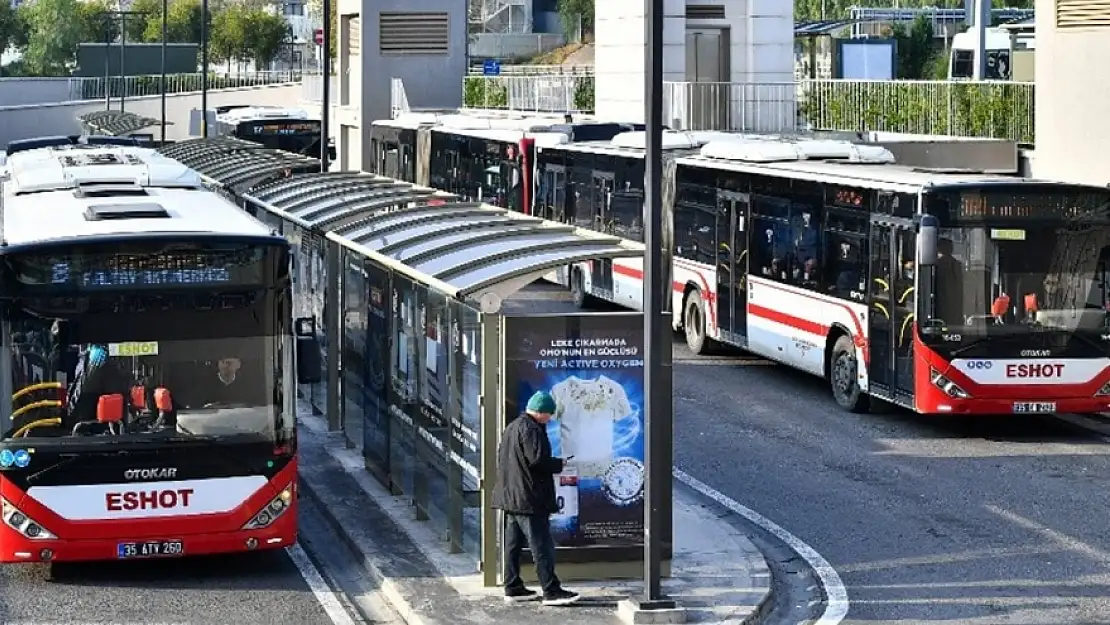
{"points": [[593, 365]]}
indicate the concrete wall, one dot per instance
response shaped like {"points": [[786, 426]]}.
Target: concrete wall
{"points": [[35, 120], [513, 45], [1073, 88], [16, 91], [761, 49], [431, 81]]}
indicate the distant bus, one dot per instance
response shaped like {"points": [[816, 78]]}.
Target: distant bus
{"points": [[999, 50], [280, 128]]}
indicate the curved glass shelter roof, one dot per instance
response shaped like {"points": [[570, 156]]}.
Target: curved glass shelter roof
{"points": [[467, 250], [238, 164]]}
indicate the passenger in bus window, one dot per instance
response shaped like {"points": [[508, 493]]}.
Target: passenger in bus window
{"points": [[808, 275]]}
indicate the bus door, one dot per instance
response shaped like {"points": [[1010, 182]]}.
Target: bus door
{"points": [[732, 265], [511, 185], [551, 198], [890, 307], [602, 271]]}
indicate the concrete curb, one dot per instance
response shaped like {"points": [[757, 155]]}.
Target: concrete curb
{"points": [[389, 589]]}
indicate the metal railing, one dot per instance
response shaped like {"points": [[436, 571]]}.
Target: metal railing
{"points": [[542, 71], [93, 88], [562, 93], [996, 109]]}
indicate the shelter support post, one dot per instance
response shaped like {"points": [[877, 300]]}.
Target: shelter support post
{"points": [[332, 329], [492, 362]]}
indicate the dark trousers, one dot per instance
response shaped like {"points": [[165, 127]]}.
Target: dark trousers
{"points": [[533, 531]]}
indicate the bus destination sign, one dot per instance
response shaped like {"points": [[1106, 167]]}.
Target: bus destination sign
{"points": [[285, 128], [1034, 205]]}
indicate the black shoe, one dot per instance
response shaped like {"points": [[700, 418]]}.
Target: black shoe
{"points": [[519, 595], [560, 597]]}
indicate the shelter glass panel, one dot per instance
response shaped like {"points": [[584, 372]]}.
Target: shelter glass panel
{"points": [[353, 375], [466, 422], [404, 377], [376, 430], [430, 445]]}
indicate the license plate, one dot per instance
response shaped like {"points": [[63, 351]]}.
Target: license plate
{"points": [[151, 549], [1032, 407]]}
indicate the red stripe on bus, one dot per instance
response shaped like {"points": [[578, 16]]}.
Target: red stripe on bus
{"points": [[785, 319], [707, 296]]}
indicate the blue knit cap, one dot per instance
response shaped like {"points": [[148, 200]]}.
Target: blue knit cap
{"points": [[542, 402]]}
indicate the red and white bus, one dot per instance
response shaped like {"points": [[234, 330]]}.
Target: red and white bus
{"points": [[148, 369], [941, 292], [478, 158]]}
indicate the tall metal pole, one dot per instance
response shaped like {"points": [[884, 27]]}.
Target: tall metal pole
{"points": [[122, 56], [204, 69], [107, 62], [165, 30], [326, 76], [657, 339], [979, 36]]}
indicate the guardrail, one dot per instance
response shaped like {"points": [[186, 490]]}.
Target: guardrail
{"points": [[93, 88], [536, 70], [997, 109]]}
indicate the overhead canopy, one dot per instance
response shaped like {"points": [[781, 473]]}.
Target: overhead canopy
{"points": [[464, 249], [236, 164], [117, 123]]}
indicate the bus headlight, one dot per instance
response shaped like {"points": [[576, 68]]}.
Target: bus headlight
{"points": [[1104, 391], [270, 513], [949, 387], [20, 522]]}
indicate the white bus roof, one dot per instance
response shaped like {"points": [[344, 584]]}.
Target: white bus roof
{"points": [[464, 121], [59, 193], [253, 113], [631, 144], [994, 39]]}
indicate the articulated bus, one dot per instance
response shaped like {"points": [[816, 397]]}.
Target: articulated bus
{"points": [[943, 293], [148, 372], [484, 159]]}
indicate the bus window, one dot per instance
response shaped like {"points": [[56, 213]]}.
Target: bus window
{"points": [[962, 64]]}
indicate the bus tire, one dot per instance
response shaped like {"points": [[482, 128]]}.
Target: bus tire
{"points": [[693, 322], [844, 376], [578, 288]]}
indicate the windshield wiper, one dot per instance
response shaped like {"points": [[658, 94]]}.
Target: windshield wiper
{"points": [[986, 339]]}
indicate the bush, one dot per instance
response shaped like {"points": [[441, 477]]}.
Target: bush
{"points": [[1002, 110], [485, 93], [584, 94]]}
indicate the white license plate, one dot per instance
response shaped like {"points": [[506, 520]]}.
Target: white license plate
{"points": [[1032, 407], [151, 549]]}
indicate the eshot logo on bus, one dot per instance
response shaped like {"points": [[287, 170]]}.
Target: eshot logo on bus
{"points": [[19, 458], [128, 350]]}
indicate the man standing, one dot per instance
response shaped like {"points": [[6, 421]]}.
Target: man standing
{"points": [[525, 493]]}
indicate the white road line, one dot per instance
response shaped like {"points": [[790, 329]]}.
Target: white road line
{"points": [[836, 606], [319, 587]]}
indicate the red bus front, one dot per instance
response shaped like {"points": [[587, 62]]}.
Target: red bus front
{"points": [[152, 408], [1015, 302]]}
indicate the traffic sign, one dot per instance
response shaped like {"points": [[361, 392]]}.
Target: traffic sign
{"points": [[318, 36], [491, 67]]}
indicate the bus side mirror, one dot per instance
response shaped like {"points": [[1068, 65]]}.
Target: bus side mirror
{"points": [[310, 362], [927, 241], [304, 327]]}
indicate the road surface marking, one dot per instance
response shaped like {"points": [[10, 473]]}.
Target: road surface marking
{"points": [[324, 594], [836, 606]]}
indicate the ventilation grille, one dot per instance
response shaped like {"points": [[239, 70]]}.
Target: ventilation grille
{"points": [[413, 33], [1082, 14], [354, 36], [87, 160], [705, 12], [108, 212]]}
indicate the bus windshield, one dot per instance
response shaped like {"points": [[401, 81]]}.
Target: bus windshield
{"points": [[92, 362], [1015, 289]]}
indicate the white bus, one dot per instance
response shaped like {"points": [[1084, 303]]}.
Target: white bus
{"points": [[827, 255]]}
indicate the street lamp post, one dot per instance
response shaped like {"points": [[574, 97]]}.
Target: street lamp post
{"points": [[165, 8], [204, 69], [109, 18], [325, 108]]}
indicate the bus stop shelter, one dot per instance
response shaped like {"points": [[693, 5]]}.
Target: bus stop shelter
{"points": [[238, 165], [117, 124], [425, 367]]}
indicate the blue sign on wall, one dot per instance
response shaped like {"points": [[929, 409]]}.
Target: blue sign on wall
{"points": [[491, 68]]}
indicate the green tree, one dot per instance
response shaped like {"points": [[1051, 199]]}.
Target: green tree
{"points": [[573, 11], [11, 26], [97, 21], [54, 28], [266, 32], [182, 23], [138, 26], [228, 40], [914, 48]]}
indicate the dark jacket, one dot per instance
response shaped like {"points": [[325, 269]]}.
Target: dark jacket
{"points": [[526, 469]]}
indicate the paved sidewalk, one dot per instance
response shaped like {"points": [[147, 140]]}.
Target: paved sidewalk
{"points": [[717, 573]]}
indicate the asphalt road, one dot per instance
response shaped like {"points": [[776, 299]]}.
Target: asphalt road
{"points": [[926, 520], [262, 588]]}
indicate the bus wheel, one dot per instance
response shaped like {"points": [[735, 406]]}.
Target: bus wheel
{"points": [[578, 288], [843, 376], [693, 320]]}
